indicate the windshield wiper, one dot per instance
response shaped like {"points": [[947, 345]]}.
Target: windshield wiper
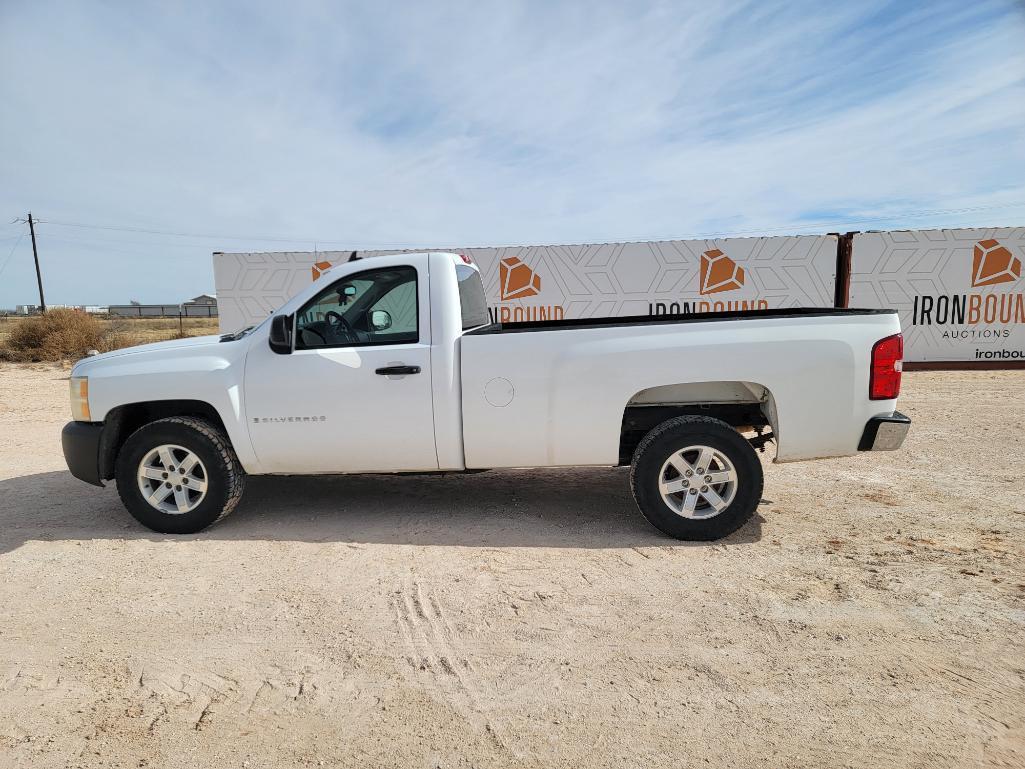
{"points": [[237, 335]]}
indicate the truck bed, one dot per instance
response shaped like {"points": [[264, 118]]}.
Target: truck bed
{"points": [[651, 320], [558, 399]]}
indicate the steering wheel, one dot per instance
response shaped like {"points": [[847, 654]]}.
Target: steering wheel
{"points": [[338, 323]]}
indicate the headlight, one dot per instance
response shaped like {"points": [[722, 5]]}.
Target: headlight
{"points": [[80, 398]]}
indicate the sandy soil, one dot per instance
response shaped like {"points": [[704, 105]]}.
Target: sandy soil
{"points": [[871, 616]]}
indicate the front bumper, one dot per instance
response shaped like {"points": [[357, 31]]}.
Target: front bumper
{"points": [[885, 433], [81, 443]]}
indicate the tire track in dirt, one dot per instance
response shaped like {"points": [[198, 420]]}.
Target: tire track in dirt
{"points": [[168, 692], [436, 657]]}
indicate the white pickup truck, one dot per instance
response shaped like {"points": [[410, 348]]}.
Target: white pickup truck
{"points": [[390, 365]]}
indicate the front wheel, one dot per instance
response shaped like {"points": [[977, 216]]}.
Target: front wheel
{"points": [[179, 475], [696, 478]]}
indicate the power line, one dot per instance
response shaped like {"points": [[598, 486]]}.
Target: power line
{"points": [[13, 249], [834, 224], [205, 236], [109, 244]]}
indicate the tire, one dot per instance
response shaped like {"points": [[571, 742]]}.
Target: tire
{"points": [[721, 509], [181, 440]]}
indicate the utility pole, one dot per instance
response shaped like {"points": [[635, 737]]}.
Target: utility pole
{"points": [[35, 255]]}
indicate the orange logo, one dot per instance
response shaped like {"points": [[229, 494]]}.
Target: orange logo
{"points": [[319, 268], [517, 279], [719, 273], [994, 264]]}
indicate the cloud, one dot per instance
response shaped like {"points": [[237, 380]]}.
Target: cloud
{"points": [[489, 123]]}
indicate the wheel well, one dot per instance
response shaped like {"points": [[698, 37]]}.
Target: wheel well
{"points": [[122, 421], [739, 404]]}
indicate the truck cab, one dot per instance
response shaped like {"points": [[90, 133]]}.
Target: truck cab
{"points": [[366, 369]]}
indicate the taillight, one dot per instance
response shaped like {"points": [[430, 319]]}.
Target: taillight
{"points": [[887, 362]]}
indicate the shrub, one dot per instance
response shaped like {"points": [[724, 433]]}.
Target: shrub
{"points": [[54, 335], [70, 334], [117, 333]]}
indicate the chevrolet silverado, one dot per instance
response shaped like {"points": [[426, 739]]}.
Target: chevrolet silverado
{"points": [[390, 365]]}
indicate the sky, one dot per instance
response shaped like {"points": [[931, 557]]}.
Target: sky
{"points": [[145, 136]]}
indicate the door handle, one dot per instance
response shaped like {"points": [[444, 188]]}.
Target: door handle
{"points": [[397, 370]]}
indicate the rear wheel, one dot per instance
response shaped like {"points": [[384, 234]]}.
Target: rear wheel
{"points": [[179, 475], [696, 478]]}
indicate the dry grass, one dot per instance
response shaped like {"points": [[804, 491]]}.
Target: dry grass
{"points": [[145, 330], [69, 334]]}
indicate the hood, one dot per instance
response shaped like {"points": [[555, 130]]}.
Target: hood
{"points": [[157, 347]]}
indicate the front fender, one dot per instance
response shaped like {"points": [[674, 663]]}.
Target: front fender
{"points": [[210, 373]]}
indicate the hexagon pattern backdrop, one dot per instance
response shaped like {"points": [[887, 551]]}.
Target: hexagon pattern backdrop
{"points": [[960, 293], [583, 281]]}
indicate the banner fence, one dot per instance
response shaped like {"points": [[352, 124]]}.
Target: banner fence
{"points": [[960, 293]]}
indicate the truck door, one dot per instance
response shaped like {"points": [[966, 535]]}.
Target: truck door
{"points": [[355, 394]]}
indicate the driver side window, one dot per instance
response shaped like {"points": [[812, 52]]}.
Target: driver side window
{"points": [[369, 308]]}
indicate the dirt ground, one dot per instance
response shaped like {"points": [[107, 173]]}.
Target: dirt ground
{"points": [[872, 615]]}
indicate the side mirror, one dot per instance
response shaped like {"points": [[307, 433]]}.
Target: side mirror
{"points": [[380, 320], [280, 339]]}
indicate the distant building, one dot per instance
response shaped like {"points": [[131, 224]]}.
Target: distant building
{"points": [[202, 306], [33, 309], [146, 310]]}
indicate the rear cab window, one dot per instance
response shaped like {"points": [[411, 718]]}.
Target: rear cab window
{"points": [[473, 303]]}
